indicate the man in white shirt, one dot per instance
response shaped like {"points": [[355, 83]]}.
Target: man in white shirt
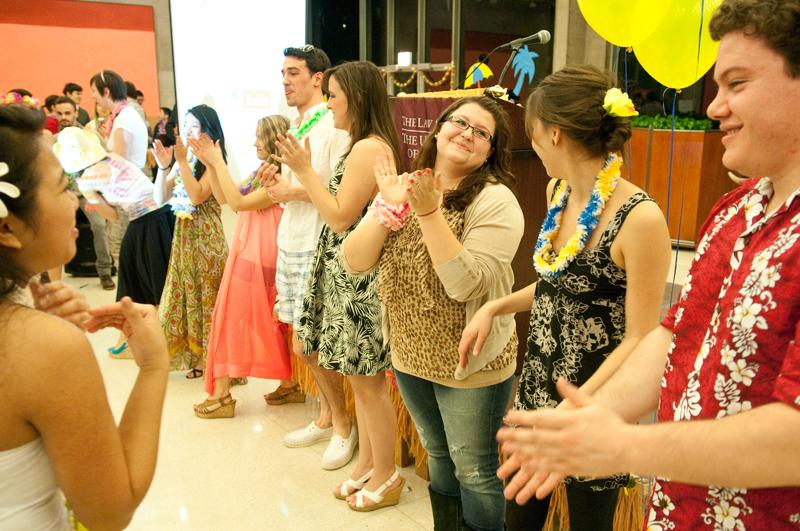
{"points": [[298, 232], [127, 135]]}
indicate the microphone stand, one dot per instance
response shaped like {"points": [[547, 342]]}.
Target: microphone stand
{"points": [[514, 50]]}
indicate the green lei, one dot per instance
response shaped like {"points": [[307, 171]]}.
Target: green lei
{"points": [[302, 130]]}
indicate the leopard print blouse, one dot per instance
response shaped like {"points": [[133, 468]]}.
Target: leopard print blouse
{"points": [[424, 323]]}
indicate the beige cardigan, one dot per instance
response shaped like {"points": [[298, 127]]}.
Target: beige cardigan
{"points": [[493, 227]]}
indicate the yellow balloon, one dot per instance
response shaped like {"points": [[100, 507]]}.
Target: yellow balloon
{"points": [[624, 22], [671, 54]]}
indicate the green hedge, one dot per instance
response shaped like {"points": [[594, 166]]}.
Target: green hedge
{"points": [[683, 123]]}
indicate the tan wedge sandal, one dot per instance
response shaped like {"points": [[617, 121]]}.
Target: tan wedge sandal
{"points": [[377, 497], [224, 409]]}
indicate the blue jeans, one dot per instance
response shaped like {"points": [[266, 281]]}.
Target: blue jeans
{"points": [[457, 427]]}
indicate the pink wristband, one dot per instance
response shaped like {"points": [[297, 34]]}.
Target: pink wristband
{"points": [[393, 217]]}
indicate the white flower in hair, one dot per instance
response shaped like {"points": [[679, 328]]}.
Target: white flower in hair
{"points": [[6, 188]]}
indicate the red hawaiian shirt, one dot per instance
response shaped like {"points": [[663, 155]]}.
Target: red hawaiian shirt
{"points": [[735, 329]]}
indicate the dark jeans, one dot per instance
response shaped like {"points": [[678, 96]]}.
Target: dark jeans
{"points": [[457, 427], [588, 511]]}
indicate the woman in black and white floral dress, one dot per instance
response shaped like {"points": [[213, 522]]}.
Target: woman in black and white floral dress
{"points": [[341, 314], [601, 259]]}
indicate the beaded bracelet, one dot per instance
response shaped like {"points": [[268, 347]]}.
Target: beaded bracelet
{"points": [[393, 217]]}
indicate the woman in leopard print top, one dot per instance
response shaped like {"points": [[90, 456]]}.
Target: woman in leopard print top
{"points": [[452, 255]]}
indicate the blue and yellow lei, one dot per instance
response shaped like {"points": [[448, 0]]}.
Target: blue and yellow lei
{"points": [[551, 265]]}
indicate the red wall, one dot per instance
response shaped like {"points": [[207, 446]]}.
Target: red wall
{"points": [[46, 43]]}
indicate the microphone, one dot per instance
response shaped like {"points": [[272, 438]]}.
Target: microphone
{"points": [[541, 37]]}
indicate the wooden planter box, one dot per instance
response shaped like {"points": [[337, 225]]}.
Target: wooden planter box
{"points": [[698, 177]]}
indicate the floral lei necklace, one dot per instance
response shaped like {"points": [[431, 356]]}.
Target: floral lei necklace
{"points": [[180, 203], [551, 265], [302, 130], [251, 184]]}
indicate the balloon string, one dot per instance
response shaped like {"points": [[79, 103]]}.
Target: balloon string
{"points": [[669, 194], [628, 161], [699, 38]]}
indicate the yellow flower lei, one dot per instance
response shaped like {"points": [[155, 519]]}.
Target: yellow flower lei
{"points": [[547, 263]]}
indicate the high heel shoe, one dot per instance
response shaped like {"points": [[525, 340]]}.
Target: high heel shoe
{"points": [[121, 352], [226, 406], [351, 486], [377, 497]]}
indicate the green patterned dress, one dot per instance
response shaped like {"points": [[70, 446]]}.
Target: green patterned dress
{"points": [[341, 316], [195, 271]]}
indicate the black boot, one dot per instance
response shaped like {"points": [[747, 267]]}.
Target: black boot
{"points": [[446, 511]]}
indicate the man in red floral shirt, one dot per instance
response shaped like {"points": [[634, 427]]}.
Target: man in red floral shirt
{"points": [[723, 369]]}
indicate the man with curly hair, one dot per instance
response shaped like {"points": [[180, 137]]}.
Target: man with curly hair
{"points": [[723, 369]]}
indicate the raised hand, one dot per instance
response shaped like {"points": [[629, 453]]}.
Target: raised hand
{"points": [[61, 300], [206, 150], [140, 323], [294, 155], [394, 188], [181, 151], [162, 154], [426, 191]]}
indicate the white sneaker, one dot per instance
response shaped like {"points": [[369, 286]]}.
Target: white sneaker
{"points": [[307, 436], [340, 450]]}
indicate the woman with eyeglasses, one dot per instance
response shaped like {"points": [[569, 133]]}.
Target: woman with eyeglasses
{"points": [[443, 238]]}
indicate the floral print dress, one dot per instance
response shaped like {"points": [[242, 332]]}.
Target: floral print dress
{"points": [[341, 316], [577, 320], [195, 271]]}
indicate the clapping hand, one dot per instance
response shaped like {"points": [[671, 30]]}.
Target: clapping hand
{"points": [[61, 300], [181, 150], [295, 155], [206, 150], [393, 188], [162, 154], [426, 191], [580, 438], [267, 174], [140, 324]]}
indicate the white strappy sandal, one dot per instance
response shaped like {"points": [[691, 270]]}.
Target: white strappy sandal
{"points": [[351, 486], [377, 497]]}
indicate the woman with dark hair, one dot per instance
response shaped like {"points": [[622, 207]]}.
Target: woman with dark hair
{"points": [[601, 258], [198, 246], [57, 432], [246, 340], [444, 237], [341, 315]]}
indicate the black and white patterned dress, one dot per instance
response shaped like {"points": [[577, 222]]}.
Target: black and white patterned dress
{"points": [[577, 320], [341, 317]]}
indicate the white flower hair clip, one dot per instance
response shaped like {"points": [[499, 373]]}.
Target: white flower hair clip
{"points": [[6, 188]]}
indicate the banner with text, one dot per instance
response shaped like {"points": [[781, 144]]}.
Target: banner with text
{"points": [[414, 118]]}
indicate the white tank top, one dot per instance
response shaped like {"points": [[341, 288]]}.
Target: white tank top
{"points": [[29, 495]]}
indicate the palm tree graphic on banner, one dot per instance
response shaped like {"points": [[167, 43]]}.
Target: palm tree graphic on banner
{"points": [[524, 67]]}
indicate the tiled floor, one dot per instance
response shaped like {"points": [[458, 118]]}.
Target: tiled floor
{"points": [[235, 474]]}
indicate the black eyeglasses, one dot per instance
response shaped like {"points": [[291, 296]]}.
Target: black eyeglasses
{"points": [[477, 132], [305, 49]]}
